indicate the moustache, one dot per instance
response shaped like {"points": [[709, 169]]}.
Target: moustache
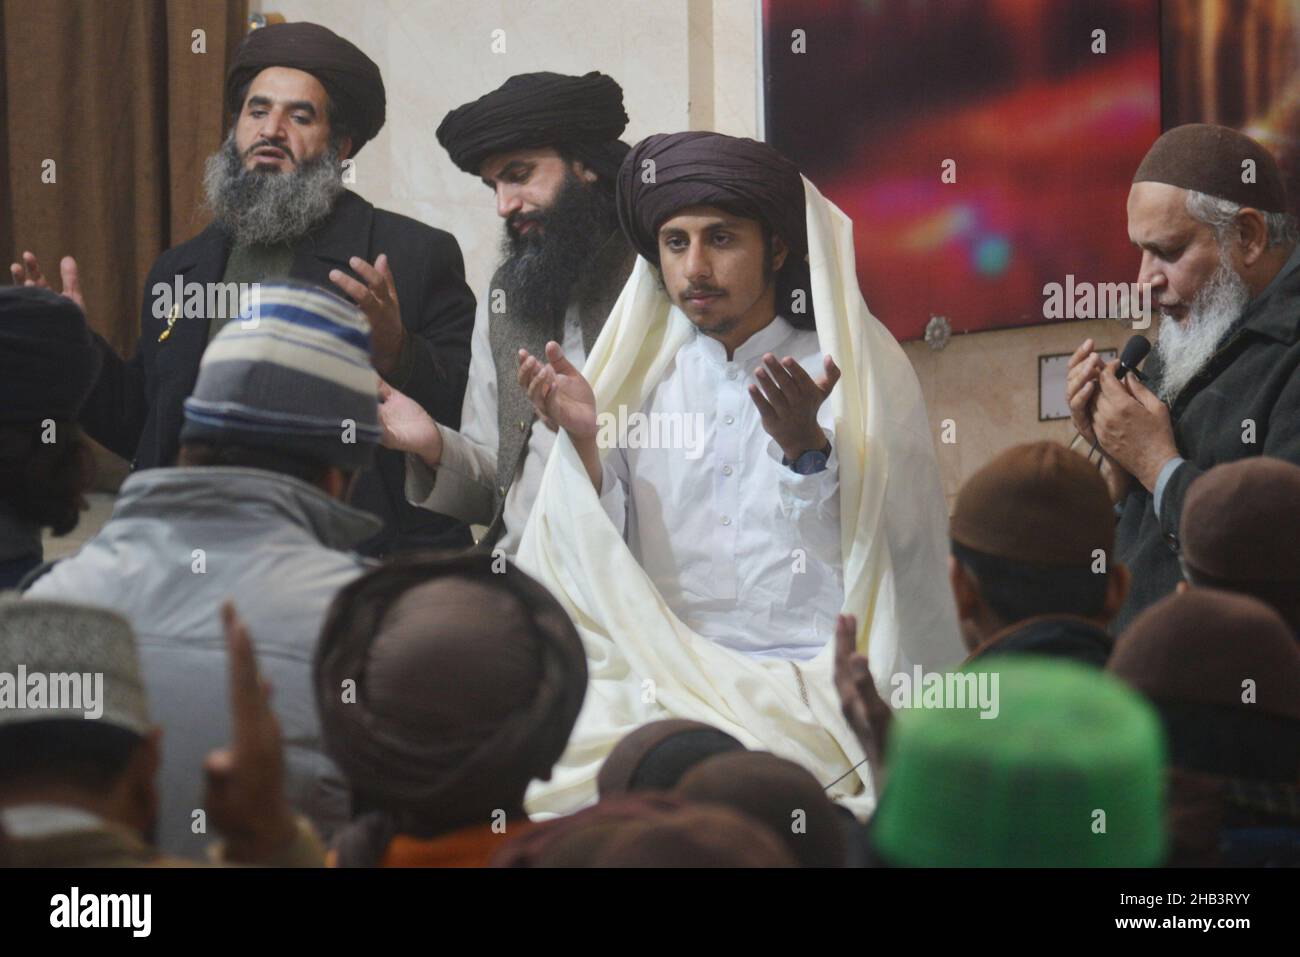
{"points": [[275, 146], [702, 291]]}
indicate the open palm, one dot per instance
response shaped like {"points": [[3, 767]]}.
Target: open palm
{"points": [[558, 391]]}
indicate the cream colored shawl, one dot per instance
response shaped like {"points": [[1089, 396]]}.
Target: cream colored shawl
{"points": [[644, 663]]}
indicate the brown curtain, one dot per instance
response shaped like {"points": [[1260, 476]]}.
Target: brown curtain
{"points": [[114, 93]]}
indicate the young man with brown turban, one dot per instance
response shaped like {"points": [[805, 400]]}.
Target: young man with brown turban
{"points": [[705, 566], [548, 147], [304, 100], [1208, 211]]}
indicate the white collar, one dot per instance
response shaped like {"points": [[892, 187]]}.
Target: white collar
{"points": [[761, 342]]}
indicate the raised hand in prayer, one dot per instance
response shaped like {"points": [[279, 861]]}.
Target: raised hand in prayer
{"points": [[28, 273], [563, 399], [407, 426], [866, 712], [1133, 426], [559, 393], [1081, 392], [788, 401], [377, 298], [245, 781]]}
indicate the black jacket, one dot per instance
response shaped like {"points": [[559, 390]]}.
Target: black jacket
{"points": [[136, 407], [1250, 389]]}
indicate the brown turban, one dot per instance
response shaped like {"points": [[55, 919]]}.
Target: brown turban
{"points": [[583, 114], [574, 840], [701, 836], [777, 793], [1209, 159], [350, 77], [1241, 531], [1037, 502], [467, 685], [1199, 647], [656, 755], [668, 172]]}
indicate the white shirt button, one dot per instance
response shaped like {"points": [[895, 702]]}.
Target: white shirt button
{"points": [[726, 520], [732, 373], [728, 419], [726, 470]]}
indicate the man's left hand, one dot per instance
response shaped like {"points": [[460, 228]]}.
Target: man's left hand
{"points": [[788, 402], [377, 298], [1133, 426]]}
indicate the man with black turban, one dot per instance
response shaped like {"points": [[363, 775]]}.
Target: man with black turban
{"points": [[439, 714], [548, 146], [304, 102], [1208, 211], [719, 493], [48, 361]]}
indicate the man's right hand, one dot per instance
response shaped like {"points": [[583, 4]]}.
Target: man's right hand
{"points": [[1081, 388], [28, 273], [407, 426], [559, 393]]}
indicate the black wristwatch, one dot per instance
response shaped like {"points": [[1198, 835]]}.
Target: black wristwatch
{"points": [[810, 461]]}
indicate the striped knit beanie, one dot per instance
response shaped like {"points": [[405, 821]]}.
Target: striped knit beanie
{"points": [[292, 373]]}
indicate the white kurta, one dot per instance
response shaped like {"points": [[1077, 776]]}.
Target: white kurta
{"points": [[745, 550], [468, 468]]}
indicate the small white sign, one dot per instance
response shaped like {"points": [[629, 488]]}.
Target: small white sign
{"points": [[1051, 384]]}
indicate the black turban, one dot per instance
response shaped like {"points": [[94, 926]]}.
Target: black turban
{"points": [[468, 682], [581, 113], [48, 358], [709, 169], [350, 77]]}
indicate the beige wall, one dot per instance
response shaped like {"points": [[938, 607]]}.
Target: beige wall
{"points": [[683, 64]]}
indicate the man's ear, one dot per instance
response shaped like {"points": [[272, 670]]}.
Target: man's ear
{"points": [[779, 252], [336, 483], [965, 593], [1117, 585], [345, 148], [581, 171], [1252, 235]]}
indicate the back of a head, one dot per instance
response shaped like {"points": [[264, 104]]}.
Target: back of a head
{"points": [[1223, 669], [48, 365], [1067, 774], [286, 387], [465, 685], [654, 756], [777, 793], [694, 836], [1030, 525], [92, 714], [1240, 531]]}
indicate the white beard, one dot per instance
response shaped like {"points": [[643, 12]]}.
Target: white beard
{"points": [[1184, 348]]}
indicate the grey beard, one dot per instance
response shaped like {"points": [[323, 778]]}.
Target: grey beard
{"points": [[538, 271], [1184, 348], [267, 207]]}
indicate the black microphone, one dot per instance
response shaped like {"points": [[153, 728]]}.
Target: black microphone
{"points": [[1135, 350]]}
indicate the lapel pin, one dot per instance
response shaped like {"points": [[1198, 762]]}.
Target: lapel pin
{"points": [[171, 321]]}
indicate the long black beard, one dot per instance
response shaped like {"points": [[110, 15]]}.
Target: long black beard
{"points": [[270, 207], [540, 268]]}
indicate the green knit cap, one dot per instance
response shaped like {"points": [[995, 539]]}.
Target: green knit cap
{"points": [[1067, 774]]}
